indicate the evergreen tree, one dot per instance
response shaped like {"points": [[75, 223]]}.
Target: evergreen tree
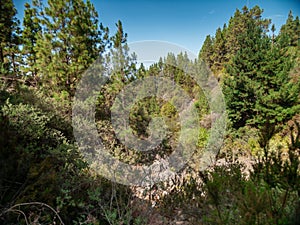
{"points": [[207, 51], [219, 51], [291, 29], [235, 28], [183, 64], [170, 66], [238, 26], [273, 29], [141, 72], [155, 68], [277, 94], [123, 62], [9, 38], [240, 85], [31, 28], [71, 40], [259, 91], [121, 68]]}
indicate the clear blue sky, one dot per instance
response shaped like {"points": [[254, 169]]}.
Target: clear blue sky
{"points": [[184, 22]]}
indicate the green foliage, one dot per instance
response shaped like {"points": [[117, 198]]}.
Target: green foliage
{"points": [[43, 177], [31, 29], [33, 126], [238, 27], [70, 41], [207, 51], [259, 90], [225, 196], [9, 39], [219, 51], [291, 30]]}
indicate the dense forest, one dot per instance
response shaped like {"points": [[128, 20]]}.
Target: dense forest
{"points": [[44, 178]]}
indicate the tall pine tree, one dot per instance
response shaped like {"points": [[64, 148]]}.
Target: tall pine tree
{"points": [[71, 40], [277, 94], [31, 29], [259, 90], [291, 30], [240, 85], [207, 51], [219, 51], [9, 38], [238, 25]]}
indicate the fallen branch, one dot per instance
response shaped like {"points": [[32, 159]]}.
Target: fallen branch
{"points": [[11, 209]]}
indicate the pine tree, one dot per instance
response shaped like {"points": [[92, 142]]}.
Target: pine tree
{"points": [[260, 91], [9, 38], [183, 64], [291, 29], [219, 51], [122, 61], [141, 72], [240, 85], [235, 28], [238, 26], [170, 67], [207, 51], [277, 94], [121, 68], [71, 40], [273, 29], [31, 28]]}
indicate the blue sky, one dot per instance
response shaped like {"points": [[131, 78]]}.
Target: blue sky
{"points": [[184, 22]]}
